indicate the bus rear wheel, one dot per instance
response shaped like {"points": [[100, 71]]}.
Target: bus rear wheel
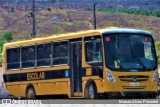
{"points": [[30, 94], [90, 91]]}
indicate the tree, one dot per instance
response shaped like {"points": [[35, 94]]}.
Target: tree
{"points": [[4, 38], [7, 36], [157, 44]]}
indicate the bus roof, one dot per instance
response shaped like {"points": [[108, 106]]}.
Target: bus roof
{"points": [[76, 35], [122, 30]]}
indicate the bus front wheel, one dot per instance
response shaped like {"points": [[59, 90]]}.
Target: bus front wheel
{"points": [[30, 94], [152, 95], [90, 91]]}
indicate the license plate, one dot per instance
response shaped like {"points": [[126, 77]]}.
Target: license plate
{"points": [[134, 84]]}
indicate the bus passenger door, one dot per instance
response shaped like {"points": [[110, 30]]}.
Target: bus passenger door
{"points": [[75, 68]]}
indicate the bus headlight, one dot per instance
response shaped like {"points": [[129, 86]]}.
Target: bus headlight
{"points": [[155, 76], [110, 77]]}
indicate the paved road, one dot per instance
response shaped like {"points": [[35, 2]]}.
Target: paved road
{"points": [[3, 93]]}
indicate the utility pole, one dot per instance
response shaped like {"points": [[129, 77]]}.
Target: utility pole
{"points": [[34, 19], [94, 13]]}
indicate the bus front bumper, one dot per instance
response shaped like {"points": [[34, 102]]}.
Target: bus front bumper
{"points": [[140, 93], [131, 87]]}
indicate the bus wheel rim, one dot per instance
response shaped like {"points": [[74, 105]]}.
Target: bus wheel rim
{"points": [[30, 94], [91, 91]]}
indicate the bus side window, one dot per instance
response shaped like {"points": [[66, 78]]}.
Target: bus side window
{"points": [[60, 53], [28, 56], [13, 58], [44, 54], [93, 49]]}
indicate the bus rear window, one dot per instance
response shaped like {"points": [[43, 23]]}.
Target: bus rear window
{"points": [[13, 58]]}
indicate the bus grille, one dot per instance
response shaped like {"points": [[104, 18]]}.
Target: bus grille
{"points": [[133, 78]]}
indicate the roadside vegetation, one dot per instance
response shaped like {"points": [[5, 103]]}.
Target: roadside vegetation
{"points": [[157, 44], [7, 36], [73, 20], [132, 11]]}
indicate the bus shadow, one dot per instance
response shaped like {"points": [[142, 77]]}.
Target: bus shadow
{"points": [[52, 97]]}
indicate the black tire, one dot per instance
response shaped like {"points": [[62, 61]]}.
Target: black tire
{"points": [[30, 93], [90, 91], [153, 95], [106, 96], [158, 96]]}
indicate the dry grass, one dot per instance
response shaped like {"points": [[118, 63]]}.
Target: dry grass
{"points": [[75, 20]]}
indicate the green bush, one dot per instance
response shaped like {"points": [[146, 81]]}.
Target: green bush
{"points": [[132, 11], [7, 36], [157, 44]]}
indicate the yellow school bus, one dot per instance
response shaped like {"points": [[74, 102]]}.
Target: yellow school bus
{"points": [[85, 64]]}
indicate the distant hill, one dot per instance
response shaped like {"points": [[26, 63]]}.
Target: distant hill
{"points": [[75, 15], [116, 4], [73, 20], [87, 4]]}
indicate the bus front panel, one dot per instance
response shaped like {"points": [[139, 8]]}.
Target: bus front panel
{"points": [[130, 62]]}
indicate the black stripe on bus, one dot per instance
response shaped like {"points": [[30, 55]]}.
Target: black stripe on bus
{"points": [[31, 76], [53, 74]]}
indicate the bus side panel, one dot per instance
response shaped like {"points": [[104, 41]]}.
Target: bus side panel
{"points": [[99, 85], [16, 90], [52, 88]]}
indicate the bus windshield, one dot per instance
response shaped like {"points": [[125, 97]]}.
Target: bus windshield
{"points": [[129, 52]]}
